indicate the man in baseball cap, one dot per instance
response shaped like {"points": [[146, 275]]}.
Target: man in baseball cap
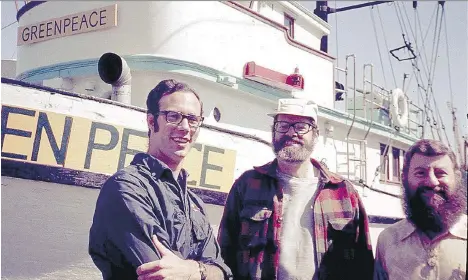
{"points": [[292, 218]]}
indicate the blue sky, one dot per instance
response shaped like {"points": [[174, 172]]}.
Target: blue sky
{"points": [[353, 33]]}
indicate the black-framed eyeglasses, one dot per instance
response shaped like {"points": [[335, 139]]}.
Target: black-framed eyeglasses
{"points": [[299, 127], [177, 117]]}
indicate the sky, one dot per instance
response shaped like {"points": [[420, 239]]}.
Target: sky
{"points": [[352, 32]]}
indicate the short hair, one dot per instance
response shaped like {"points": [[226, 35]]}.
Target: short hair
{"points": [[430, 148], [166, 87]]}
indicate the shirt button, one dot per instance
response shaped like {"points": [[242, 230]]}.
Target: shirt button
{"points": [[153, 174], [280, 219], [432, 253], [431, 262]]}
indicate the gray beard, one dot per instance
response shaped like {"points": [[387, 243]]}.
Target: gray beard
{"points": [[294, 154]]}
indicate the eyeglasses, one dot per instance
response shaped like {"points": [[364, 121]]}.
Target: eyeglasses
{"points": [[177, 117], [299, 127]]}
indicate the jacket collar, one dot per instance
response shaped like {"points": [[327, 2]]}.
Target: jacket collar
{"points": [[325, 176]]}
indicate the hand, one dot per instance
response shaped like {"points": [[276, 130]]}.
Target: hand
{"points": [[169, 266]]}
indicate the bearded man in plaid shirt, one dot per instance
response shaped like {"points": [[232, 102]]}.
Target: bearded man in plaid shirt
{"points": [[292, 218]]}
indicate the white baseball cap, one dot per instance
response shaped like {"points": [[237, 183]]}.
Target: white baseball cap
{"points": [[296, 107]]}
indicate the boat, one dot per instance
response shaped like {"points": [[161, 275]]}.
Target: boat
{"points": [[69, 118]]}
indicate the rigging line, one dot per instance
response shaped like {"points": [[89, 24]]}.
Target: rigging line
{"points": [[336, 42], [426, 106], [425, 36], [415, 37], [386, 46], [378, 45], [429, 82], [405, 31], [448, 60], [415, 27], [429, 86], [433, 75], [438, 43], [10, 24], [409, 23]]}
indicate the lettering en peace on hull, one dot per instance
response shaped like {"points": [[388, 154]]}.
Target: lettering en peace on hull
{"points": [[71, 142]]}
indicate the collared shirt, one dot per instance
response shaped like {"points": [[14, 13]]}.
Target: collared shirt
{"points": [[251, 226], [145, 199], [404, 252]]}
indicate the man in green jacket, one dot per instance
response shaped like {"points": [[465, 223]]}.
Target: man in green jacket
{"points": [[292, 218]]}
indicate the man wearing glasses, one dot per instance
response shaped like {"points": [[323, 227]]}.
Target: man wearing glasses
{"points": [[147, 224], [292, 218]]}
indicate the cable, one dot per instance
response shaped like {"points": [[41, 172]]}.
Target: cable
{"points": [[425, 36], [386, 46], [336, 42], [8, 25], [448, 60], [378, 45]]}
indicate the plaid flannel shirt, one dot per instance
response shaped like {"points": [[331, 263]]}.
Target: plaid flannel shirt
{"points": [[250, 229]]}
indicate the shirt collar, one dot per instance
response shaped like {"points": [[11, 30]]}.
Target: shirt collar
{"points": [[459, 229], [154, 165], [406, 229]]}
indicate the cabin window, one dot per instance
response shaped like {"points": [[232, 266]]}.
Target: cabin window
{"points": [[396, 167], [289, 23], [384, 163]]}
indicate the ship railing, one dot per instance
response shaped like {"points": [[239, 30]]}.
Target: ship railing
{"points": [[372, 102]]}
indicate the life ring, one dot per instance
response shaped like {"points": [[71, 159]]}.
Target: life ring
{"points": [[399, 108]]}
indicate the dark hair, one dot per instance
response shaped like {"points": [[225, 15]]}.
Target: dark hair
{"points": [[166, 87], [430, 148]]}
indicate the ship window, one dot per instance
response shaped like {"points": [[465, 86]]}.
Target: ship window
{"points": [[216, 114], [384, 163], [396, 165], [289, 23]]}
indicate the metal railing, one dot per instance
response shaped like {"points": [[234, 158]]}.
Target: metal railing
{"points": [[375, 97]]}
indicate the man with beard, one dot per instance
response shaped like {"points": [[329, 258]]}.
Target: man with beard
{"points": [[147, 223], [292, 218], [431, 242]]}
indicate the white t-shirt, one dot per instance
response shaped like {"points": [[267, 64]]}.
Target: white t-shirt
{"points": [[297, 250]]}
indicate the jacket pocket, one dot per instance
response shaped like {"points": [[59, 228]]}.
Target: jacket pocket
{"points": [[341, 235], [254, 226]]}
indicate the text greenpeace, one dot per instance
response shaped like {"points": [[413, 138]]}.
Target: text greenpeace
{"points": [[87, 21]]}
